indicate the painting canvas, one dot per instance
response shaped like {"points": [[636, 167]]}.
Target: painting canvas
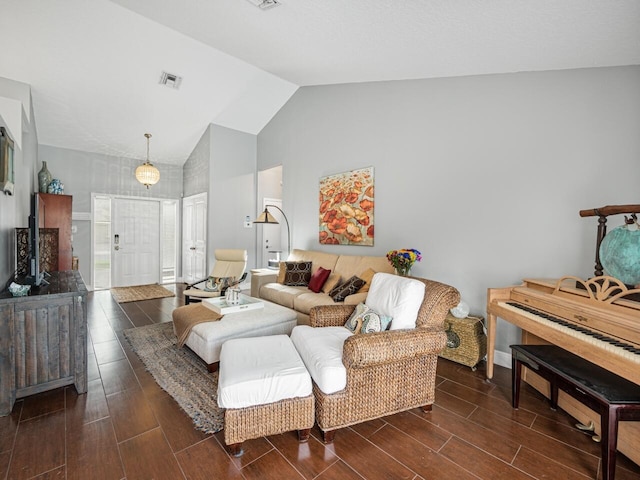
{"points": [[6, 162], [346, 208]]}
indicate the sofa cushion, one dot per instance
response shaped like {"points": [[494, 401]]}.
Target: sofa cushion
{"points": [[281, 294], [398, 297], [350, 265], [318, 279], [365, 320], [317, 259], [297, 274], [321, 352], [367, 276], [273, 371], [349, 287], [282, 269], [304, 302], [332, 282]]}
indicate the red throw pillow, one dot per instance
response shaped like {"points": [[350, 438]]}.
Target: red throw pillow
{"points": [[318, 278]]}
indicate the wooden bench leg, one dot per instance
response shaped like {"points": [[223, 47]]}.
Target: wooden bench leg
{"points": [[609, 434], [516, 375], [235, 449], [327, 437], [303, 435]]}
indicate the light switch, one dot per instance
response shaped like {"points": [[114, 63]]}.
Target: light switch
{"points": [[247, 222]]}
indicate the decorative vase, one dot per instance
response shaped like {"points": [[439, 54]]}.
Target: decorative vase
{"points": [[44, 178], [403, 271]]}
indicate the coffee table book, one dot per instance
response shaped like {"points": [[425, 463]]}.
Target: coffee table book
{"points": [[220, 305]]}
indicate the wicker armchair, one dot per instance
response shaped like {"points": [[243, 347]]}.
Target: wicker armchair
{"points": [[387, 372]]}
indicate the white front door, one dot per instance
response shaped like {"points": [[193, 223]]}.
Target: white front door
{"points": [[194, 238], [136, 242]]}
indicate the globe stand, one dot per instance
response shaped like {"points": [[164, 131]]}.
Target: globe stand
{"points": [[602, 214]]}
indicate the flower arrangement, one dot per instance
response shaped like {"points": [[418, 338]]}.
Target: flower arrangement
{"points": [[402, 260]]}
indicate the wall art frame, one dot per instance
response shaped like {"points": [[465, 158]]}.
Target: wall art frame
{"points": [[346, 208], [6, 162]]}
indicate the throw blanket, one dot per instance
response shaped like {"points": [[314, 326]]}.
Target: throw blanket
{"points": [[188, 316]]}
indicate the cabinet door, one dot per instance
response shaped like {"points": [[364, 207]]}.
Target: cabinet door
{"points": [[55, 212]]}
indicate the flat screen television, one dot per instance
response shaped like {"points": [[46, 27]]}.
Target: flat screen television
{"points": [[34, 276]]}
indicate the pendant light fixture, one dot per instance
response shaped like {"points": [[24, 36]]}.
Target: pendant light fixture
{"points": [[146, 173]]}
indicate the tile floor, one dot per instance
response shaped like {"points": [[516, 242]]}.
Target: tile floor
{"points": [[126, 427]]}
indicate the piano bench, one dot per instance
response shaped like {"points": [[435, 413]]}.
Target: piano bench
{"points": [[613, 397]]}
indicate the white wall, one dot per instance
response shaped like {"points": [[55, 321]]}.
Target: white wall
{"points": [[484, 175]]}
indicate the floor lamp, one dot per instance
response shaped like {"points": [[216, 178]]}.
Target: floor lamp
{"points": [[266, 217]]}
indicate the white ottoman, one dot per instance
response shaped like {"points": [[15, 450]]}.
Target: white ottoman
{"points": [[206, 338], [265, 389]]}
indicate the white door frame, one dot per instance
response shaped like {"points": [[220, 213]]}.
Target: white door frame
{"points": [[194, 238], [133, 197]]}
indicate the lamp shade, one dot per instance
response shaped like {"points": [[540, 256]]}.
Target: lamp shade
{"points": [[266, 217], [146, 173]]}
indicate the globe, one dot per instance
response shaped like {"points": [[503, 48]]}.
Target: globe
{"points": [[620, 254]]}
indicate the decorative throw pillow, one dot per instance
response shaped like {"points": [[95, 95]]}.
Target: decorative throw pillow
{"points": [[396, 296], [318, 279], [332, 282], [218, 284], [336, 287], [349, 287], [365, 320], [367, 276], [281, 272], [297, 274]]}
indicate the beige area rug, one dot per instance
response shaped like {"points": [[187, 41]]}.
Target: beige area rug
{"points": [[140, 292], [180, 372]]}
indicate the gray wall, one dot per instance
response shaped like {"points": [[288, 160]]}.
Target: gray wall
{"points": [[14, 209], [232, 197], [84, 173], [223, 164], [484, 175]]}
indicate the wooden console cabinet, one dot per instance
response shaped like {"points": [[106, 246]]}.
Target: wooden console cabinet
{"points": [[55, 212], [43, 339]]}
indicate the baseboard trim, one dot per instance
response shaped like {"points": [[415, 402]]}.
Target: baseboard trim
{"points": [[502, 358]]}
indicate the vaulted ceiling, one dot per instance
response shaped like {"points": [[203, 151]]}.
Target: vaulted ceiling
{"points": [[94, 65]]}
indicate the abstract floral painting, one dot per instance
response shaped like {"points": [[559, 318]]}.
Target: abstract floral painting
{"points": [[346, 208]]}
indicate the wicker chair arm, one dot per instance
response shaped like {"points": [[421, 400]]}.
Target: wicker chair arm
{"points": [[439, 298], [365, 350], [330, 315]]}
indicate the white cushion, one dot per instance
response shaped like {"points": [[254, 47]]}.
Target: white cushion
{"points": [[260, 370], [321, 352], [398, 297]]}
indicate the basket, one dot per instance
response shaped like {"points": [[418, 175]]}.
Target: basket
{"points": [[466, 340]]}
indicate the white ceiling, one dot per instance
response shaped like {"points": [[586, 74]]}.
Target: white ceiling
{"points": [[94, 65]]}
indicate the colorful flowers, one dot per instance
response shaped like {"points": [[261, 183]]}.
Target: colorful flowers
{"points": [[402, 260]]}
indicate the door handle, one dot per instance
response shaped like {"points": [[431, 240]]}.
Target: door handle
{"points": [[192, 248], [117, 247]]}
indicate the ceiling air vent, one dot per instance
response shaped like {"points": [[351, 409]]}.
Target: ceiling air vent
{"points": [[265, 4], [170, 80]]}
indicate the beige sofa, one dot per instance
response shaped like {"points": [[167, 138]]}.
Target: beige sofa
{"points": [[301, 299]]}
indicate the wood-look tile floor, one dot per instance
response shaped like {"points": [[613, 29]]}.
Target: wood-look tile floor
{"points": [[126, 427]]}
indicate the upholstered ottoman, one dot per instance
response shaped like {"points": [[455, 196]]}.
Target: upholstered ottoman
{"points": [[265, 389], [206, 338]]}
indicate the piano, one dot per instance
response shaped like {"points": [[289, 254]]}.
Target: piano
{"points": [[593, 319]]}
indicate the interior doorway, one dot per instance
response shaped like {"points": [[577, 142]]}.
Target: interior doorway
{"points": [[194, 238], [270, 238]]}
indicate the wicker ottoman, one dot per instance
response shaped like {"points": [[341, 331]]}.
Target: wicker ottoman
{"points": [[265, 389]]}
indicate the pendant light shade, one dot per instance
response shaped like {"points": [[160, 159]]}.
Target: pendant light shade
{"points": [[146, 173]]}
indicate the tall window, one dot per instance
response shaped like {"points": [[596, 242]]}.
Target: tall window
{"points": [[101, 242], [169, 239]]}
